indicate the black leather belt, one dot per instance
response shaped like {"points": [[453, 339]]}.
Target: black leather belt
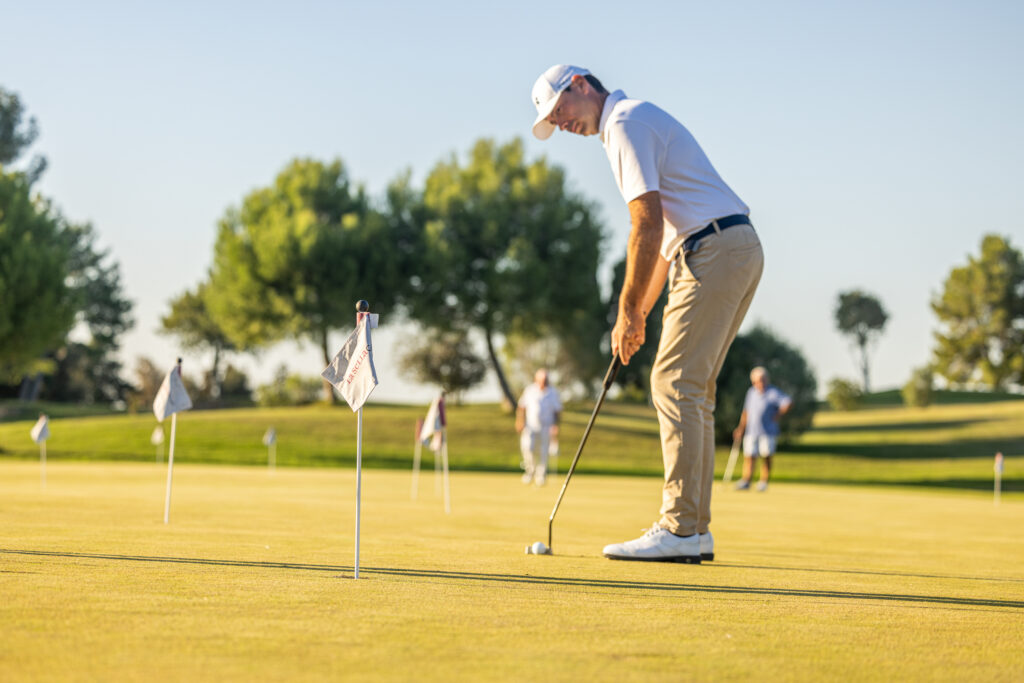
{"points": [[691, 242]]}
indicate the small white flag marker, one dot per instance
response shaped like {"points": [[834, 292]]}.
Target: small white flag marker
{"points": [[270, 441], [171, 399], [157, 439], [435, 429], [353, 374], [40, 433]]}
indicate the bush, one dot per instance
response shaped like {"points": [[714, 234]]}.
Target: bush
{"points": [[843, 394], [289, 390], [919, 389], [787, 369]]}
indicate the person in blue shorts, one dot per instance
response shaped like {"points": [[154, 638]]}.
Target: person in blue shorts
{"points": [[759, 426]]}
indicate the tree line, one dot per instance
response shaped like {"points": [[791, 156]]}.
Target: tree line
{"points": [[494, 258]]}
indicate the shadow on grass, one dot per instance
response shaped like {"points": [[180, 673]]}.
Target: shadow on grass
{"points": [[1009, 485], [566, 581], [961, 449], [901, 426]]}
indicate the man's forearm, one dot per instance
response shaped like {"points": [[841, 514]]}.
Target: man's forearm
{"points": [[643, 262]]}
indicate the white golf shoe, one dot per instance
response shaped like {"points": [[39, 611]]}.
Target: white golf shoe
{"points": [[657, 545], [707, 547]]}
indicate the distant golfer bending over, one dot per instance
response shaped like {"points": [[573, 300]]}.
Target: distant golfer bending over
{"points": [[689, 228]]}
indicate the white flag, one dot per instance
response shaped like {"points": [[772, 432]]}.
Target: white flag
{"points": [[270, 438], [352, 372], [157, 437], [41, 430], [435, 420], [172, 397]]}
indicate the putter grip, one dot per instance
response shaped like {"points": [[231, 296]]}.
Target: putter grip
{"points": [[613, 370]]}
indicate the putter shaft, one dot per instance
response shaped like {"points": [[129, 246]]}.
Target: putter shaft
{"points": [[609, 377]]}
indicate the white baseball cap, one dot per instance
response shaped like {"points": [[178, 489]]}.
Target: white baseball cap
{"points": [[545, 94]]}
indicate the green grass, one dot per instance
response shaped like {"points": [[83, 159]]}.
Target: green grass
{"points": [[949, 446], [252, 581]]}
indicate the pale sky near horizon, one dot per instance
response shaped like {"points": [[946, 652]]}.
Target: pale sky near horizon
{"points": [[875, 142]]}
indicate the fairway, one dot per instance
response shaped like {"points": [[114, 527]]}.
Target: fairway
{"points": [[253, 579]]}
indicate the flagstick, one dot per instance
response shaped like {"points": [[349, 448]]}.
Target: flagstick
{"points": [[437, 471], [170, 469], [359, 482], [42, 463], [416, 455], [272, 456], [444, 459]]}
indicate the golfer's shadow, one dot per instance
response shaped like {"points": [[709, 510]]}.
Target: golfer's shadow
{"points": [[447, 575]]}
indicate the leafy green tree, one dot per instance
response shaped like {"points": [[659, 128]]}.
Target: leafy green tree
{"points": [[38, 302], [190, 321], [288, 390], [787, 369], [843, 394], [52, 276], [445, 359], [981, 312], [90, 371], [16, 135], [860, 317], [918, 392], [292, 262], [508, 250]]}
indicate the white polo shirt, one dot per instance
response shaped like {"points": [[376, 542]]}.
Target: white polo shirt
{"points": [[542, 406], [649, 150]]}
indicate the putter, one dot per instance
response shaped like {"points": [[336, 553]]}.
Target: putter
{"points": [[609, 377]]}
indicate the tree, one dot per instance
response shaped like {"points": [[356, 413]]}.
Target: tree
{"points": [[52, 275], [919, 390], [787, 369], [843, 394], [860, 317], [981, 313], [292, 262], [190, 321], [38, 303], [508, 250], [17, 135], [90, 371], [445, 359]]}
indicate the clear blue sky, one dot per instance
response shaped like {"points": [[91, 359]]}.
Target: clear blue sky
{"points": [[875, 142]]}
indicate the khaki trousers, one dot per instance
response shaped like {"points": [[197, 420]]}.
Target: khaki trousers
{"points": [[710, 290]]}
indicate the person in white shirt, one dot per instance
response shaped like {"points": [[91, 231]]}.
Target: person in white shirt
{"points": [[537, 417], [689, 229]]}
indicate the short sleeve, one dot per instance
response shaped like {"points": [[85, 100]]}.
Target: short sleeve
{"points": [[635, 153]]}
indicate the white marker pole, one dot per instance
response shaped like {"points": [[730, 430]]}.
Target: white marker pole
{"points": [[359, 482], [733, 454], [417, 453], [170, 470], [998, 477], [42, 463], [272, 456], [444, 459]]}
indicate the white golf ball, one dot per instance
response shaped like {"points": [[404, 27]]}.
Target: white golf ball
{"points": [[538, 548]]}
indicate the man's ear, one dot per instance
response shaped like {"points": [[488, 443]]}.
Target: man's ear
{"points": [[580, 82]]}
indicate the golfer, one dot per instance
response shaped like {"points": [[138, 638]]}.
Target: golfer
{"points": [[691, 230], [537, 417], [759, 426]]}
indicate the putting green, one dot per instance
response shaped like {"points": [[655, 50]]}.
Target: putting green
{"points": [[253, 580]]}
